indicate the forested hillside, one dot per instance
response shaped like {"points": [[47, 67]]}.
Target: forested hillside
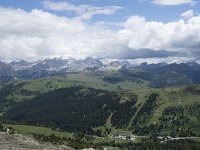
{"points": [[78, 109], [102, 104], [75, 109]]}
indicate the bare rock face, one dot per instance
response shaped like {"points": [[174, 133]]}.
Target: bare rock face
{"points": [[19, 142]]}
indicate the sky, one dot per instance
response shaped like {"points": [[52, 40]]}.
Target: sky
{"points": [[151, 30]]}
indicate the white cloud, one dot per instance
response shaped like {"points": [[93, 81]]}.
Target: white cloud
{"points": [[42, 34], [173, 2], [187, 14], [39, 34], [168, 60], [142, 1], [181, 35], [84, 11]]}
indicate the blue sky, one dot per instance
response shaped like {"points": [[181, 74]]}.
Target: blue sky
{"points": [[148, 9], [99, 28]]}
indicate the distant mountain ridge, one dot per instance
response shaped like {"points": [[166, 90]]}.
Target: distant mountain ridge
{"points": [[6, 71], [47, 67], [158, 75]]}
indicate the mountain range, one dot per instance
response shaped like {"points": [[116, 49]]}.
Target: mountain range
{"points": [[159, 75], [102, 98]]}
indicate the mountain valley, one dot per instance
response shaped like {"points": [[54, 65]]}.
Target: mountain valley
{"points": [[147, 100]]}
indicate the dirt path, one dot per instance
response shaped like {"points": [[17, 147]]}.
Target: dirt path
{"points": [[180, 101]]}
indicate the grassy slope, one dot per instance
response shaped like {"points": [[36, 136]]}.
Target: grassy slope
{"points": [[30, 130], [173, 96], [43, 85]]}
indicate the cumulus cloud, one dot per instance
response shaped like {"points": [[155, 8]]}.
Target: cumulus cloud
{"points": [[39, 34], [84, 11], [25, 34], [173, 2], [181, 35], [42, 34]]}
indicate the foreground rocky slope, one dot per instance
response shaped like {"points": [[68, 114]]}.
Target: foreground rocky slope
{"points": [[19, 142]]}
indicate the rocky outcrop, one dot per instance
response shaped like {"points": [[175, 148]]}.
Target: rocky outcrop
{"points": [[19, 142]]}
